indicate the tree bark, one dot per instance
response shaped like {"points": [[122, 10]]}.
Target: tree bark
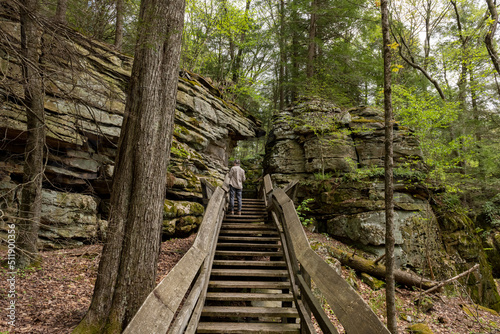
{"points": [[389, 166], [120, 7], [295, 47], [31, 196], [239, 55], [311, 53], [127, 269], [282, 57], [488, 39], [62, 8]]}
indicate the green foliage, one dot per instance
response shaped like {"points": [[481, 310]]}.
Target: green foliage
{"points": [[322, 176], [492, 210], [364, 173], [302, 210]]}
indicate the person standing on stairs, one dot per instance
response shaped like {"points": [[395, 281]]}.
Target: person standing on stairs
{"points": [[236, 178]]}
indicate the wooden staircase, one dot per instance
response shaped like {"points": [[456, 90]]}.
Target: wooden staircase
{"points": [[249, 287], [243, 275]]}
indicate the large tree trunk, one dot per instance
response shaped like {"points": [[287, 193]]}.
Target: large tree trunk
{"points": [[62, 8], [389, 166], [31, 197], [127, 269], [119, 24]]}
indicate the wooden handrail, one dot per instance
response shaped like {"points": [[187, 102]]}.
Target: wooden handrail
{"points": [[158, 310], [351, 310]]}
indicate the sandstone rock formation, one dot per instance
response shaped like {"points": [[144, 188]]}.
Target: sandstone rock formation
{"points": [[338, 157], [85, 88]]}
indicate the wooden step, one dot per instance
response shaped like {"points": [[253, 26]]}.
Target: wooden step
{"points": [[246, 245], [249, 285], [246, 327], [249, 311], [247, 215], [243, 219], [238, 238], [248, 263], [248, 206], [246, 253], [250, 272], [238, 296], [252, 232], [253, 226]]}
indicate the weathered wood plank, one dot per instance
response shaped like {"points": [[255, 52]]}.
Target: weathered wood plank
{"points": [[249, 311], [263, 239], [247, 253], [247, 245], [249, 263], [250, 272], [239, 296], [249, 284], [156, 314], [238, 327], [323, 321]]}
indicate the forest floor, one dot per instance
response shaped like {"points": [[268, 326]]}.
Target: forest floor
{"points": [[54, 297]]}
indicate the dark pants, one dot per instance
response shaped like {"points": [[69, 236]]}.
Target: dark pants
{"points": [[232, 191]]}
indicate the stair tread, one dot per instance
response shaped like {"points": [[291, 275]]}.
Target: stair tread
{"points": [[241, 296], [248, 284], [250, 272], [249, 263], [247, 245], [238, 238], [249, 311], [231, 231], [239, 327], [245, 225], [242, 219], [247, 253]]}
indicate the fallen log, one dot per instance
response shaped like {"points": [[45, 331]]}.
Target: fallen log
{"points": [[377, 270]]}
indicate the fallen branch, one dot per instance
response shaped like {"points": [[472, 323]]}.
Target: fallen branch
{"points": [[377, 270], [443, 283], [380, 258]]}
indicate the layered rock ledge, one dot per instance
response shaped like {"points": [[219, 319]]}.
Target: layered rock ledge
{"points": [[337, 155], [85, 85]]}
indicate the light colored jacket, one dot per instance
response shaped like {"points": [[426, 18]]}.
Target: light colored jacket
{"points": [[236, 177]]}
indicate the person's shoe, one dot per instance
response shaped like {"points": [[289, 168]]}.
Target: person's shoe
{"points": [[239, 213], [232, 212]]}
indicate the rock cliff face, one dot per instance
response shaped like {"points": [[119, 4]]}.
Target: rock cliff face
{"points": [[338, 157], [85, 87]]}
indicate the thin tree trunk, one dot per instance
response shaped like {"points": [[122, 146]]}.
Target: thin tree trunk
{"points": [[120, 7], [311, 53], [462, 83], [31, 196], [488, 39], [389, 166], [62, 8], [127, 269], [295, 68], [239, 55], [281, 79]]}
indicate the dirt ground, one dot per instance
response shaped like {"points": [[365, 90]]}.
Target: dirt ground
{"points": [[54, 297]]}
